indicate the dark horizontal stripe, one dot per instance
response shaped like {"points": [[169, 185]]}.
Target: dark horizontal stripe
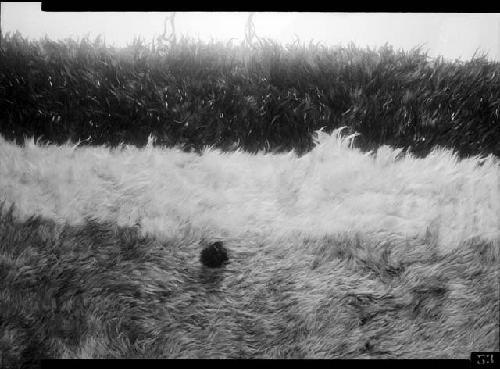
{"points": [[229, 363]]}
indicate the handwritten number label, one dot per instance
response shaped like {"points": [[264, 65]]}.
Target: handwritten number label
{"points": [[484, 359]]}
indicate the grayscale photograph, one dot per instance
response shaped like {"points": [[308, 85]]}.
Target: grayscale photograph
{"points": [[248, 185]]}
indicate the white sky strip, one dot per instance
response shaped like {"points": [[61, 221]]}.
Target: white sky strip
{"points": [[450, 35]]}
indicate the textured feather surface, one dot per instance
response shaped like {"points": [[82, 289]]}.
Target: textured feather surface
{"points": [[336, 254]]}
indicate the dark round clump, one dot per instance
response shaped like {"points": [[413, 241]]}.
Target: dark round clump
{"points": [[214, 256]]}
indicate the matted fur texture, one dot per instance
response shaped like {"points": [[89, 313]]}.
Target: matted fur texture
{"points": [[336, 254]]}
